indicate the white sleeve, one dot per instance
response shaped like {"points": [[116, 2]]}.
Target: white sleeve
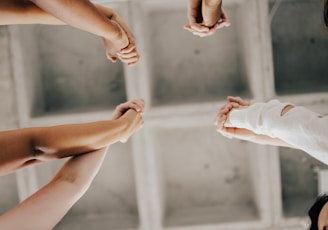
{"points": [[299, 127]]}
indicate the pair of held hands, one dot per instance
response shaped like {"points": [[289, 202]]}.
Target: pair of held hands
{"points": [[122, 44], [205, 17]]}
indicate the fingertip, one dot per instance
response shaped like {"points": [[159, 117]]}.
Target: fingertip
{"points": [[132, 64], [199, 28], [187, 26]]}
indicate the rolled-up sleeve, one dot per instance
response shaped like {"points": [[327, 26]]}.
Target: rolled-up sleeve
{"points": [[299, 127]]}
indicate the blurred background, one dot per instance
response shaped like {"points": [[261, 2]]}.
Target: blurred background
{"points": [[177, 173]]}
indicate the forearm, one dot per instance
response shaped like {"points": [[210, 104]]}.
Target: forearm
{"points": [[210, 9], [25, 12], [45, 208], [67, 140], [81, 14], [79, 171]]}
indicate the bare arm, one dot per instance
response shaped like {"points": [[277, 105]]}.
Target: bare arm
{"points": [[24, 12], [45, 208], [22, 147], [82, 14]]}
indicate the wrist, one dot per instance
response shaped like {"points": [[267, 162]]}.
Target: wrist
{"points": [[212, 3]]}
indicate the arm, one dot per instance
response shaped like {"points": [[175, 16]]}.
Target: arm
{"points": [[211, 11], [24, 12], [96, 19], [297, 126], [84, 15], [20, 148], [45, 208]]}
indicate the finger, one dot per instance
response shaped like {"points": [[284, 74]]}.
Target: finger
{"points": [[128, 49], [188, 27], [219, 25], [225, 18], [224, 109], [140, 102], [130, 60], [197, 33], [123, 107], [199, 28], [111, 58], [238, 100], [221, 121], [131, 64], [133, 53], [139, 107], [204, 34], [234, 105]]}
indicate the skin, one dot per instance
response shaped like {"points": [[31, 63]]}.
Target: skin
{"points": [[205, 17], [240, 133], [45, 208], [82, 14], [39, 144], [323, 218]]}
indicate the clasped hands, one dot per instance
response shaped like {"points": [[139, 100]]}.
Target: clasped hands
{"points": [[121, 44], [224, 127], [205, 17]]}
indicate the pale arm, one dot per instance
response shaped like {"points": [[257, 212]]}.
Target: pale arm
{"points": [[82, 14], [297, 126], [44, 209], [14, 12]]}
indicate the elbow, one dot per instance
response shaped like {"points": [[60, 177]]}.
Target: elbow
{"points": [[40, 151]]}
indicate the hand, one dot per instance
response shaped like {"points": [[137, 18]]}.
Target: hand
{"points": [[126, 51], [239, 100], [205, 19], [129, 54], [137, 104], [133, 121], [223, 113], [120, 47]]}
